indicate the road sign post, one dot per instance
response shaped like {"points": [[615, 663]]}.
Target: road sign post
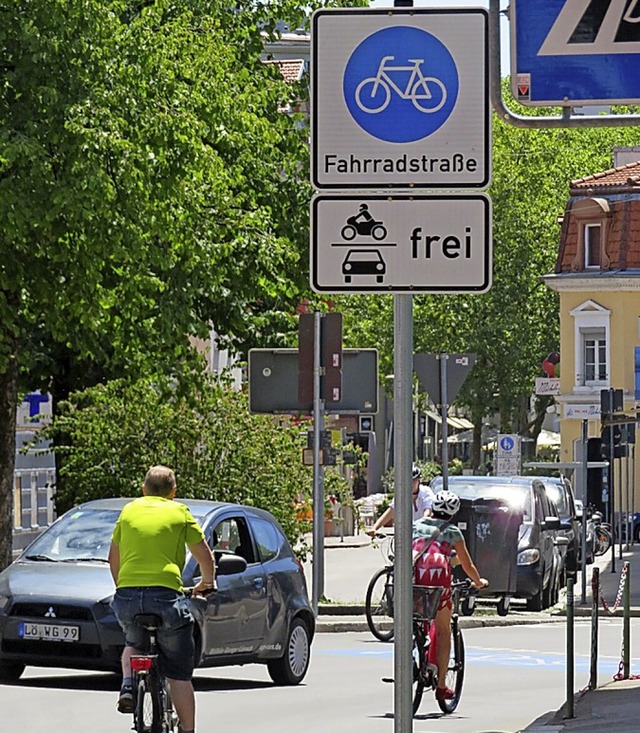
{"points": [[273, 382], [400, 99], [576, 52], [413, 243], [508, 455], [330, 325]]}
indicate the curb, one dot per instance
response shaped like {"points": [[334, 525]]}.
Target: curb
{"points": [[351, 617], [332, 621]]}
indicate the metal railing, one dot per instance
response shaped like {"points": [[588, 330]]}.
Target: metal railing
{"points": [[623, 597], [34, 509]]}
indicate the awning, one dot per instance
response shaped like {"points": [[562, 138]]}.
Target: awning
{"points": [[459, 423], [488, 434]]}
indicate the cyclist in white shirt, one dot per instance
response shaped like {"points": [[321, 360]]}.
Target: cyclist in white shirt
{"points": [[422, 498]]}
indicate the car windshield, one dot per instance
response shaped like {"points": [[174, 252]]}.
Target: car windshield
{"points": [[83, 534], [517, 496]]}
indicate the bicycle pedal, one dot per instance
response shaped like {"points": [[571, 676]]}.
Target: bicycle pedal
{"points": [[388, 679]]}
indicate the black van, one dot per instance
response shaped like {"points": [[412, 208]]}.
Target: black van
{"points": [[560, 492], [541, 547]]}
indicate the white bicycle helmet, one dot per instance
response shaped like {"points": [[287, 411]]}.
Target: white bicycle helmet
{"points": [[415, 472], [446, 502]]}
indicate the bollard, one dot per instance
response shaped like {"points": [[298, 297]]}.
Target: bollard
{"points": [[595, 589], [626, 627], [570, 649]]}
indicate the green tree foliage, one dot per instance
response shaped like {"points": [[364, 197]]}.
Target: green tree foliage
{"points": [[150, 184], [110, 435], [515, 325]]}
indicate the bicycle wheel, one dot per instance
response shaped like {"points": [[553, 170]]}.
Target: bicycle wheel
{"points": [[148, 714], [378, 605], [429, 94], [371, 101], [455, 671], [417, 660], [170, 717]]}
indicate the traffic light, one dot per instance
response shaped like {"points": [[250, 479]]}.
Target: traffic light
{"points": [[609, 434]]}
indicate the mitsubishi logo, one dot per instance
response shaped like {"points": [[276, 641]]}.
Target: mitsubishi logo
{"points": [[50, 613]]}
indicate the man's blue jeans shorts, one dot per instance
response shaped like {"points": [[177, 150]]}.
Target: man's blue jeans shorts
{"points": [[174, 637]]}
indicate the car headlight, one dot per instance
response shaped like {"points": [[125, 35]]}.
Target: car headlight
{"points": [[4, 602], [528, 557]]}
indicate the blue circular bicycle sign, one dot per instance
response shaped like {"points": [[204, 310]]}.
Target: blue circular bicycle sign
{"points": [[507, 443], [401, 84]]}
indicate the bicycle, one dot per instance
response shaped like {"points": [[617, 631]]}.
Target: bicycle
{"points": [[153, 710], [598, 532], [378, 605], [417, 88], [424, 654]]}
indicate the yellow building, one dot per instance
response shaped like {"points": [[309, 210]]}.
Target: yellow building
{"points": [[597, 277]]}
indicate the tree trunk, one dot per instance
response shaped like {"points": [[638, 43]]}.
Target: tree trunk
{"points": [[476, 447], [8, 409]]}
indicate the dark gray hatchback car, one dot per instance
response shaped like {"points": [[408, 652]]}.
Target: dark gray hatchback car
{"points": [[54, 599]]}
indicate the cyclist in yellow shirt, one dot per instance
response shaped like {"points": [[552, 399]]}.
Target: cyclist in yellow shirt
{"points": [[147, 555]]}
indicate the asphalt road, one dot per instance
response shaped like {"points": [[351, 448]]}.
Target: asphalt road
{"points": [[514, 675]]}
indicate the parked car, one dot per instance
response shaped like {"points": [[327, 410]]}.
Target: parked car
{"points": [[560, 492], [541, 548], [54, 599]]}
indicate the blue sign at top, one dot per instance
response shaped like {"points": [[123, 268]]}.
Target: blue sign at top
{"points": [[400, 84], [507, 443], [576, 52]]}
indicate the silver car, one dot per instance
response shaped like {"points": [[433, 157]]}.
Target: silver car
{"points": [[54, 599]]}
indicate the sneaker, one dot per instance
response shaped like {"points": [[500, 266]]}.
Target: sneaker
{"points": [[125, 701], [444, 693]]}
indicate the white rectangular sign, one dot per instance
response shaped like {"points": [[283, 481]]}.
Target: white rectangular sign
{"points": [[582, 411], [401, 243], [547, 385], [508, 455], [400, 98]]}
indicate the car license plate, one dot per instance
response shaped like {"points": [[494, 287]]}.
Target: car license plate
{"points": [[49, 632]]}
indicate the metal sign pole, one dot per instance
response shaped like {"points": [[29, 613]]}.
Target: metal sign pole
{"points": [[403, 511], [444, 398], [585, 483], [317, 581], [628, 508], [618, 531]]}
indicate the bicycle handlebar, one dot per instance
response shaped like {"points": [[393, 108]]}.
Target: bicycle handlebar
{"points": [[464, 587], [188, 592]]}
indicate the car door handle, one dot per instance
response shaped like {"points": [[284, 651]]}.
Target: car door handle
{"points": [[258, 583]]}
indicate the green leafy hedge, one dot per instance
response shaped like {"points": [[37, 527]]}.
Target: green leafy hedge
{"points": [[109, 435]]}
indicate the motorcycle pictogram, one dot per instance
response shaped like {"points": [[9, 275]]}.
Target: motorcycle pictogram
{"points": [[363, 224]]}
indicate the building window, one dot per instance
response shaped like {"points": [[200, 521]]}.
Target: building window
{"points": [[595, 356], [592, 346], [592, 245], [591, 217]]}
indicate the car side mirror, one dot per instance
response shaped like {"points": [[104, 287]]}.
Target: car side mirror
{"points": [[230, 565], [552, 523]]}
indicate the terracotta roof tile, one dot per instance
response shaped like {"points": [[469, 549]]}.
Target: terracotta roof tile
{"points": [[625, 176], [291, 69]]}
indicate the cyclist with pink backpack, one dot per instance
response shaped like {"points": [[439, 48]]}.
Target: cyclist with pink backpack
{"points": [[435, 539]]}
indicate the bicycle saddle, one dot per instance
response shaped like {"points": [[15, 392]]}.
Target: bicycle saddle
{"points": [[148, 621]]}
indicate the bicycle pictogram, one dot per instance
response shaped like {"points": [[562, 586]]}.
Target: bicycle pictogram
{"points": [[427, 93]]}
